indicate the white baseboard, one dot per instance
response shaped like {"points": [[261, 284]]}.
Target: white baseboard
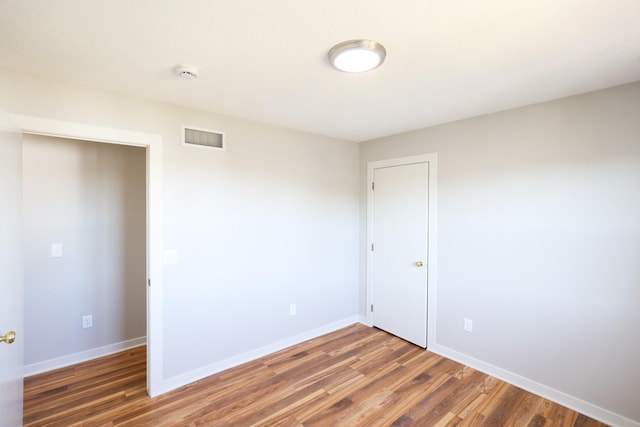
{"points": [[363, 319], [83, 356], [197, 374], [552, 394], [549, 393]]}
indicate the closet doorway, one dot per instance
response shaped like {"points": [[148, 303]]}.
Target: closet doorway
{"points": [[152, 146], [84, 221]]}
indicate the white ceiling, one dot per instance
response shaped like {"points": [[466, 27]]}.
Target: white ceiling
{"points": [[265, 60]]}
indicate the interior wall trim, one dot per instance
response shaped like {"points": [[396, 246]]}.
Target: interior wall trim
{"points": [[532, 386], [83, 356]]}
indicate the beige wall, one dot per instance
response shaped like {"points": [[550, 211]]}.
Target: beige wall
{"points": [[90, 197], [539, 241]]}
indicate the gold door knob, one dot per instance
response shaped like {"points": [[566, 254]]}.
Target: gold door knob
{"points": [[419, 264], [9, 337]]}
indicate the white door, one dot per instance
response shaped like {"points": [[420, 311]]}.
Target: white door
{"points": [[11, 277], [399, 252]]}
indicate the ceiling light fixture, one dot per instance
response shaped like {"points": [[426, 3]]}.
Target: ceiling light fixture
{"points": [[357, 56], [188, 72]]}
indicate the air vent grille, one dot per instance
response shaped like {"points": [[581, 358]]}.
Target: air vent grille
{"points": [[195, 137]]}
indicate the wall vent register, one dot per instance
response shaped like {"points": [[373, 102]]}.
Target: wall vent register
{"points": [[202, 138]]}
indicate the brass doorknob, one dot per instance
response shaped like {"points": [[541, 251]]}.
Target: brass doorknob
{"points": [[419, 264], [9, 337]]}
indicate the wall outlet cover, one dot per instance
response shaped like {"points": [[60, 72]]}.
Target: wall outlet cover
{"points": [[87, 321]]}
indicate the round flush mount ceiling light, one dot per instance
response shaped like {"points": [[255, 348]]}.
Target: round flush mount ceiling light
{"points": [[188, 72], [357, 56]]}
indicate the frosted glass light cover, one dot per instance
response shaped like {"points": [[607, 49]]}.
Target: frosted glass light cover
{"points": [[357, 60], [356, 56]]}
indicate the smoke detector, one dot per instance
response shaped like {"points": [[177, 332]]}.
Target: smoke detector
{"points": [[187, 72]]}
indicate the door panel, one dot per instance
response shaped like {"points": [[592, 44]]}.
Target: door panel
{"points": [[11, 356], [400, 219]]}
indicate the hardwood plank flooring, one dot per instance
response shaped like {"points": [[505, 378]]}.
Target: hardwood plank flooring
{"points": [[357, 376]]}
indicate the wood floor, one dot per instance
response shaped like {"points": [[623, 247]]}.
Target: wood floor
{"points": [[357, 376]]}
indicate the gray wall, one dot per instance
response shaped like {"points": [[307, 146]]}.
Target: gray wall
{"points": [[538, 232], [270, 221], [90, 197], [539, 241]]}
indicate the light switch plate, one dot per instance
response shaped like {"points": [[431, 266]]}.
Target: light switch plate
{"points": [[171, 256], [57, 250], [468, 325]]}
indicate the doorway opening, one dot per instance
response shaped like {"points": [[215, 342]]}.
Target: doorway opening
{"points": [[84, 214], [152, 144]]}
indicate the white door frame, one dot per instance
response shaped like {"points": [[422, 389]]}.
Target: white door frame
{"points": [[153, 145], [11, 316], [432, 240]]}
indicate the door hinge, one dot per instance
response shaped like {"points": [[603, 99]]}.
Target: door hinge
{"points": [[372, 247], [149, 282], [372, 307], [373, 185]]}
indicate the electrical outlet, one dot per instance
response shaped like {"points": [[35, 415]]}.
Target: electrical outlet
{"points": [[292, 310], [468, 325], [87, 321]]}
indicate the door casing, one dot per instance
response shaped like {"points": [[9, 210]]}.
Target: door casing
{"points": [[11, 274], [432, 160], [153, 145]]}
